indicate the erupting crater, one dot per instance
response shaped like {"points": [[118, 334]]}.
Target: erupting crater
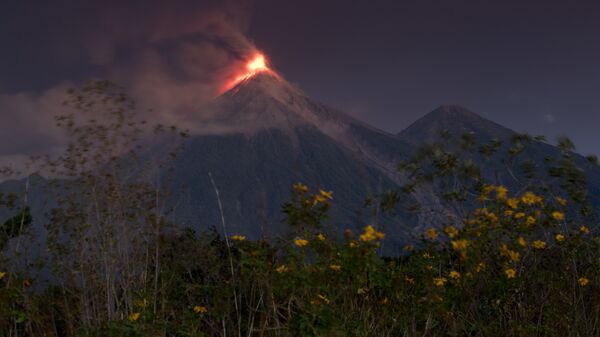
{"points": [[257, 64]]}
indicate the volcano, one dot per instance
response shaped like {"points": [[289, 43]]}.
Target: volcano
{"points": [[272, 136]]}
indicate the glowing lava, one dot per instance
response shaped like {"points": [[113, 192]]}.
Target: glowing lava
{"points": [[257, 64]]}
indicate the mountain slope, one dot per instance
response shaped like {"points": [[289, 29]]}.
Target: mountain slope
{"points": [[267, 101], [271, 136]]}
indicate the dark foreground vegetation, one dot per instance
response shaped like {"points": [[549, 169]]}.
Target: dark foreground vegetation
{"points": [[518, 259]]}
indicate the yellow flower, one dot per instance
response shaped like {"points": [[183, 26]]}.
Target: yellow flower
{"points": [[371, 234], [301, 242], [556, 215], [367, 237], [538, 244], [559, 237], [300, 188], [429, 267], [322, 197], [480, 266], [583, 281], [512, 203], [514, 255], [134, 316], [509, 212], [238, 238], [487, 189], [200, 309], [460, 244], [511, 254], [454, 275], [321, 237], [519, 215], [451, 231], [492, 217], [584, 230], [326, 194], [530, 198], [2, 274], [426, 255], [323, 298], [529, 221], [281, 269], [431, 234], [409, 248], [319, 199], [561, 201], [510, 273], [440, 281], [409, 280], [501, 192], [353, 244], [335, 267], [522, 242]]}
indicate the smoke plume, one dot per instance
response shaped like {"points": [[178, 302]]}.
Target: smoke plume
{"points": [[172, 58]]}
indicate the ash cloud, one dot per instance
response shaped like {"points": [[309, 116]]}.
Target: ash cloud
{"points": [[172, 57]]}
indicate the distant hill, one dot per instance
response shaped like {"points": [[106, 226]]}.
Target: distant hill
{"points": [[456, 120], [448, 123]]}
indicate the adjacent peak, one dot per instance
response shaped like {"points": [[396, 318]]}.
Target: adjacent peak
{"points": [[456, 120], [453, 110]]}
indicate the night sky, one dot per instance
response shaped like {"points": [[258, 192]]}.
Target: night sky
{"points": [[530, 65]]}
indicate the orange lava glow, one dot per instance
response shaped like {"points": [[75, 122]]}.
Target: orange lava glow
{"points": [[257, 64]]}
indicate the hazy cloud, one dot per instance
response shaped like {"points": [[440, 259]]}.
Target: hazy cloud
{"points": [[27, 125], [171, 57]]}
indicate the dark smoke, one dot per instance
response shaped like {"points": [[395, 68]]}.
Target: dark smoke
{"points": [[172, 57]]}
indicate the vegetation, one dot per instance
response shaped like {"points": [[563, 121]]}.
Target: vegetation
{"points": [[516, 259]]}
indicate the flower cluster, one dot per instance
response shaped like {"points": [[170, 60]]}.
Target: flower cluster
{"points": [[371, 234]]}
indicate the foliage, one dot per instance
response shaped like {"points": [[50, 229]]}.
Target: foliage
{"points": [[515, 266], [14, 226]]}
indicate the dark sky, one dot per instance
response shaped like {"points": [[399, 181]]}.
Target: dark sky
{"points": [[530, 65]]}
